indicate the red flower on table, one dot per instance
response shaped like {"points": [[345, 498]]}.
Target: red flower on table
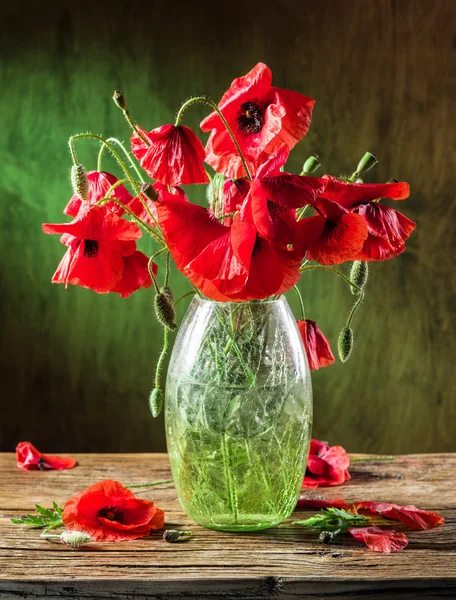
{"points": [[380, 540], [317, 347], [225, 263], [333, 236], [261, 116], [30, 459], [413, 517], [109, 512], [174, 155], [99, 243], [326, 465], [100, 183], [388, 229]]}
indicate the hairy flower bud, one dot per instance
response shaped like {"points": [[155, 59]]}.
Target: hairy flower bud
{"points": [[368, 161], [79, 182], [120, 100], [326, 537], [164, 311], [168, 292], [172, 535], [149, 191], [358, 275], [345, 343], [156, 402], [311, 164], [75, 538]]}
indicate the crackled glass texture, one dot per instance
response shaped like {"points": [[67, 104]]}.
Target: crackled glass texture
{"points": [[238, 413]]}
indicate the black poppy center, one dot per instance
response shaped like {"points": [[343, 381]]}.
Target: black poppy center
{"points": [[330, 225], [250, 117], [112, 513], [90, 248]]}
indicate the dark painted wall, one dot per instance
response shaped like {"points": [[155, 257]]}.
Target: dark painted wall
{"points": [[76, 368]]}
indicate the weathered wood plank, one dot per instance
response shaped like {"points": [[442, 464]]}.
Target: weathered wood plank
{"points": [[285, 562]]}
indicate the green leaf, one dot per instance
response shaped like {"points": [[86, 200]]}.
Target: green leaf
{"points": [[48, 518], [45, 512], [334, 519]]}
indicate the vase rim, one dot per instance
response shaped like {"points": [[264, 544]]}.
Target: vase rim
{"points": [[246, 302]]}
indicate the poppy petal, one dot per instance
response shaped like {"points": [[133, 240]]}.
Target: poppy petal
{"points": [[135, 274], [380, 540], [30, 459], [351, 194]]}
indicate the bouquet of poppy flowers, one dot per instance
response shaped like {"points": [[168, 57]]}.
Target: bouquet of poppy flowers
{"points": [[263, 226]]}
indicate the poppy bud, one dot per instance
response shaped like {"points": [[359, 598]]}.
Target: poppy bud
{"points": [[368, 161], [156, 402], [75, 538], [149, 191], [326, 537], [358, 275], [345, 343], [79, 182], [164, 311], [311, 164], [172, 535], [167, 291], [120, 100]]}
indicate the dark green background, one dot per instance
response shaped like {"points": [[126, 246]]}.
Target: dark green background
{"points": [[77, 367]]}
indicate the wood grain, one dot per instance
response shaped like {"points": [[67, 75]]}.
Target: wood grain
{"points": [[285, 562], [76, 368]]}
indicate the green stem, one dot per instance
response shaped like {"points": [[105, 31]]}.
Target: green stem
{"points": [[301, 212], [355, 307], [53, 526], [132, 182], [125, 151], [129, 120], [152, 275], [139, 221], [152, 484], [301, 302], [232, 497], [205, 100], [191, 292], [161, 358], [167, 269], [331, 270]]}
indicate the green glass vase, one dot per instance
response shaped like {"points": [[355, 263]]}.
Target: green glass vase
{"points": [[238, 414]]}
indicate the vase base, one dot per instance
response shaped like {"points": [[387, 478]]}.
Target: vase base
{"points": [[249, 523]]}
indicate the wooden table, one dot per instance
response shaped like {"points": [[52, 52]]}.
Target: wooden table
{"points": [[285, 562]]}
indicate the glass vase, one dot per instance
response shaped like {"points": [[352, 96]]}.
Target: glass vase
{"points": [[238, 413]]}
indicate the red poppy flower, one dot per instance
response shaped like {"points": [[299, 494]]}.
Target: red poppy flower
{"points": [[225, 262], [274, 195], [411, 516], [30, 459], [262, 118], [380, 540], [319, 503], [108, 512], [138, 207], [97, 240], [316, 345], [332, 237], [135, 274], [326, 465], [350, 195], [174, 157], [234, 193], [100, 183], [388, 229]]}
